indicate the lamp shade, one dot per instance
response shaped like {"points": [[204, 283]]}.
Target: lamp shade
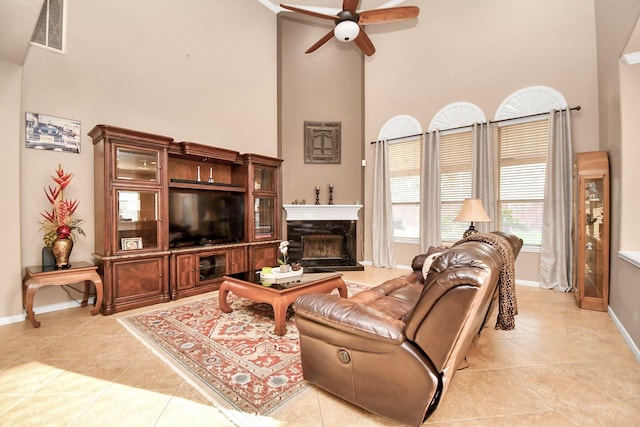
{"points": [[346, 31], [472, 211]]}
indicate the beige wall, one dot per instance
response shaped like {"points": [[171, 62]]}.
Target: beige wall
{"points": [[481, 52], [10, 271], [323, 86], [629, 155], [196, 73], [615, 21]]}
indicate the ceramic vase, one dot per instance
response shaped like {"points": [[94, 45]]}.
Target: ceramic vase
{"points": [[61, 249], [285, 268]]}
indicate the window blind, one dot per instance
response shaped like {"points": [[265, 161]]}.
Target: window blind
{"points": [[523, 166], [523, 160], [404, 171], [456, 157]]}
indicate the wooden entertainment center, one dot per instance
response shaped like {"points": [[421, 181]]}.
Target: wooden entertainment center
{"points": [[172, 218]]}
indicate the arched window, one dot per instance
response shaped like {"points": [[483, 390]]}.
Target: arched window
{"points": [[522, 159], [404, 170], [456, 163]]}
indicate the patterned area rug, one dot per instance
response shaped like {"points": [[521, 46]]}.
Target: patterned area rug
{"points": [[234, 359]]}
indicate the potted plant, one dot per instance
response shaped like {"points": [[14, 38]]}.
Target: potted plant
{"points": [[284, 259], [61, 225]]}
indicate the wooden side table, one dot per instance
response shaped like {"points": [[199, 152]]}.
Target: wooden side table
{"points": [[37, 277]]}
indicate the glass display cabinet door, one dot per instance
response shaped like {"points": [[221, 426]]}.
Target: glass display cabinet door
{"points": [[594, 215], [136, 164], [264, 179], [138, 220], [211, 266], [264, 217]]}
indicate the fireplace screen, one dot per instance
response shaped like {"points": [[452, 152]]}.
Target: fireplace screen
{"points": [[328, 245], [322, 246]]}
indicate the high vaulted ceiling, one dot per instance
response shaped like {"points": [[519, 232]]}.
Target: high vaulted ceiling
{"points": [[18, 19]]}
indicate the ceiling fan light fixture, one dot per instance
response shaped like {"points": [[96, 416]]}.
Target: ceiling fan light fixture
{"points": [[346, 31]]}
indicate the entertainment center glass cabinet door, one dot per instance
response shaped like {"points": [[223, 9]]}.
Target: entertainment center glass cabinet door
{"points": [[136, 164], [264, 202], [264, 220], [592, 230], [138, 221]]}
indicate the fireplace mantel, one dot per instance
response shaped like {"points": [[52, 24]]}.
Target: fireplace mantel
{"points": [[322, 212]]}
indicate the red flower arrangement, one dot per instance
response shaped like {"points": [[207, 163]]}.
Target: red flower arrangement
{"points": [[61, 221]]}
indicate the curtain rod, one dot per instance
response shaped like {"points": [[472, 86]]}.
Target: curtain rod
{"points": [[577, 108]]}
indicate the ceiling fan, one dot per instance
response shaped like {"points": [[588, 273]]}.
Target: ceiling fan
{"points": [[349, 22]]}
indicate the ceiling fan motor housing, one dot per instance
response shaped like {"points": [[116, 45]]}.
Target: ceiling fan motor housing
{"points": [[347, 28]]}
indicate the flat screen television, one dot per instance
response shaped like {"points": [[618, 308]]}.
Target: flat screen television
{"points": [[201, 217]]}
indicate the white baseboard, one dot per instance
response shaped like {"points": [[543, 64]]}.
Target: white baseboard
{"points": [[39, 310], [527, 283], [627, 338], [12, 319], [399, 266]]}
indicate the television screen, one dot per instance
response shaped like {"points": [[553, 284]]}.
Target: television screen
{"points": [[201, 217]]}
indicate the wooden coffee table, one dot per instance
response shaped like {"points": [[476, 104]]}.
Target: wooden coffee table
{"points": [[278, 295]]}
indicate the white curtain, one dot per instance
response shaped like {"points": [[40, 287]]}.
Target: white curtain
{"points": [[384, 250], [556, 251], [484, 172], [430, 191]]}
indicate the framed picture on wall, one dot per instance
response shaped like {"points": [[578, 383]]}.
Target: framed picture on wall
{"points": [[130, 243], [52, 133], [322, 142]]}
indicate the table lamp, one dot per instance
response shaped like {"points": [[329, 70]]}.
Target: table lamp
{"points": [[472, 211]]}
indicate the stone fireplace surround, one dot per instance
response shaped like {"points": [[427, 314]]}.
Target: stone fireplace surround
{"points": [[323, 237]]}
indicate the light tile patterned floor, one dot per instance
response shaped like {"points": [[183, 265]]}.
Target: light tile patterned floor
{"points": [[561, 366]]}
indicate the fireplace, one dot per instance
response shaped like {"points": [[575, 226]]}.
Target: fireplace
{"points": [[323, 237]]}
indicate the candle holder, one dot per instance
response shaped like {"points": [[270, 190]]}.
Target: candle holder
{"points": [[210, 174], [331, 195], [317, 196]]}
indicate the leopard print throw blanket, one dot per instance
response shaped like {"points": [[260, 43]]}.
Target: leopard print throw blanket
{"points": [[507, 305]]}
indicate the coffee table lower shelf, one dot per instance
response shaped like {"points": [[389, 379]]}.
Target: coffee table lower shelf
{"points": [[280, 299]]}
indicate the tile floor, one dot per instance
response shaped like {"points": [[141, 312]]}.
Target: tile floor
{"points": [[561, 366]]}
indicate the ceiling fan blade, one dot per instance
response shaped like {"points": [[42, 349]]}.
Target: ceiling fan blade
{"points": [[350, 5], [309, 12], [320, 42], [364, 43], [379, 16]]}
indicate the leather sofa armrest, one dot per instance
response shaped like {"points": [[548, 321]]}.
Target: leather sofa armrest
{"points": [[350, 317], [418, 262]]}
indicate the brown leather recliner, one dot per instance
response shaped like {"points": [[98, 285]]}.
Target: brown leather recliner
{"points": [[393, 349]]}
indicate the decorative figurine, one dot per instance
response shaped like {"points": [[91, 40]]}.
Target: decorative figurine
{"points": [[330, 193]]}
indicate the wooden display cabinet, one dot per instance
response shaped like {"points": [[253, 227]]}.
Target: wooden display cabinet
{"points": [[130, 205], [591, 269], [173, 218]]}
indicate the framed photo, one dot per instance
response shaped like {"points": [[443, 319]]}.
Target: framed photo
{"points": [[130, 243], [322, 142], [52, 133]]}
